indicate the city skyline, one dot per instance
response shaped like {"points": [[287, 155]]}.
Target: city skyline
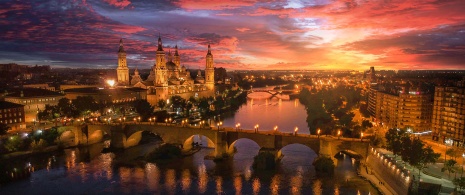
{"points": [[245, 35]]}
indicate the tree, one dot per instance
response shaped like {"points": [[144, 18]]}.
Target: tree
{"points": [[161, 104], [4, 128], [393, 140], [84, 105], [449, 166], [66, 108], [419, 157], [459, 182], [454, 153], [377, 141], [14, 143], [143, 108], [366, 124], [324, 165]]}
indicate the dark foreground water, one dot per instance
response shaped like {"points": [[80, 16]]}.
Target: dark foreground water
{"points": [[87, 171]]}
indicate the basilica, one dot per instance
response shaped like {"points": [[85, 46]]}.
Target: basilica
{"points": [[167, 77]]}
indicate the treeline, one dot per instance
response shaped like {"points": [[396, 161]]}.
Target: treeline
{"points": [[331, 108]]}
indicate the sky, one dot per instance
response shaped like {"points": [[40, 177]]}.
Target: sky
{"points": [[244, 34]]}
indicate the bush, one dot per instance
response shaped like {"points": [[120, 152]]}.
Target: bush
{"points": [[14, 143], [38, 145], [324, 165], [164, 152], [264, 161]]}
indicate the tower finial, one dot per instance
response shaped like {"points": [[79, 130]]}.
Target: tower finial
{"points": [[121, 48], [209, 50], [176, 50], [160, 45]]}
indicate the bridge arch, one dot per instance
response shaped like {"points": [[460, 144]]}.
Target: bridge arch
{"points": [[297, 150], [201, 139], [68, 138], [246, 143]]}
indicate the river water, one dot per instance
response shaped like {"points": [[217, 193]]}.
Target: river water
{"points": [[88, 171]]}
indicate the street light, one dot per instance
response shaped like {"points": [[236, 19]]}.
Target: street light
{"points": [[166, 121], [361, 136], [256, 128], [338, 134], [275, 129], [295, 131], [318, 132]]}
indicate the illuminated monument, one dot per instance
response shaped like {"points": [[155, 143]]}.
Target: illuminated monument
{"points": [[168, 77]]}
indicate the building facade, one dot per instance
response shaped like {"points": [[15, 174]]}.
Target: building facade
{"points": [[13, 115], [405, 109], [34, 100], [448, 119], [168, 78]]}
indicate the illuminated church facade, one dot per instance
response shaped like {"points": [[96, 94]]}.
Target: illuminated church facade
{"points": [[167, 77]]}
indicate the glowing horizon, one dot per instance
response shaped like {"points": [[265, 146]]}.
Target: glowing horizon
{"points": [[244, 34]]}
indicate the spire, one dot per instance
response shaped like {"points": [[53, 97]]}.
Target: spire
{"points": [[121, 48], [136, 72], [160, 47], [176, 50], [209, 51], [170, 57]]}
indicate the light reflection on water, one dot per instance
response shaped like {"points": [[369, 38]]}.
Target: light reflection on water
{"points": [[190, 176], [268, 113]]}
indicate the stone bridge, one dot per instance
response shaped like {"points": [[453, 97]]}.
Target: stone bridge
{"points": [[128, 135]]}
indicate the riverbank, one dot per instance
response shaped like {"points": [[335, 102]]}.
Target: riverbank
{"points": [[21, 154], [378, 183]]}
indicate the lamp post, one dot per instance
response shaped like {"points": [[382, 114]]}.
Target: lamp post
{"points": [[338, 134], [166, 121], [275, 129], [361, 136], [169, 120], [318, 132], [150, 121], [295, 131], [256, 128]]}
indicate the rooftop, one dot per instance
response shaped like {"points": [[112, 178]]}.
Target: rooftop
{"points": [[6, 105], [30, 92]]}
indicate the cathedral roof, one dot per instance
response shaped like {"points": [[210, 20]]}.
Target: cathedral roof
{"points": [[170, 65]]}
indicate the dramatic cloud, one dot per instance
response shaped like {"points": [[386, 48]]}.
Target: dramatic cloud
{"points": [[244, 34]]}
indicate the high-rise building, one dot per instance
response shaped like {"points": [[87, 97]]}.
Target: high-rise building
{"points": [[448, 121], [406, 108]]}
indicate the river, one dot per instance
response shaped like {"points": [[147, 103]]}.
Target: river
{"points": [[88, 171]]}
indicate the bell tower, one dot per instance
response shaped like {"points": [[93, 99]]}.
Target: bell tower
{"points": [[177, 59], [161, 73], [209, 70], [122, 71]]}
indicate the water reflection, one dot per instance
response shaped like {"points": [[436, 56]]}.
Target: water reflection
{"points": [[186, 181], [83, 176], [274, 186], [268, 113]]}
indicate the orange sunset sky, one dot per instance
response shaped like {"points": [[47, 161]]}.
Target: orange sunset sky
{"points": [[244, 34]]}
